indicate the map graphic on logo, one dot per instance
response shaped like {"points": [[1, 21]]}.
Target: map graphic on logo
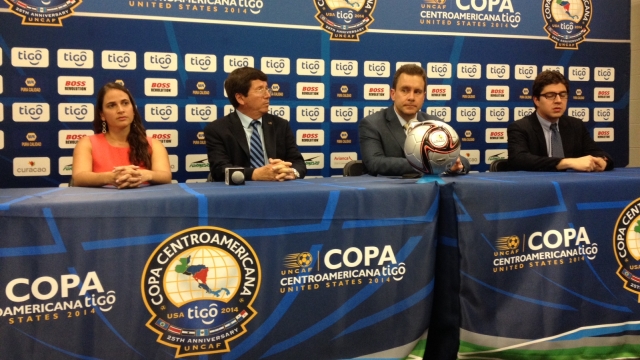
{"points": [[567, 21], [41, 12], [626, 246], [345, 20], [199, 286]]}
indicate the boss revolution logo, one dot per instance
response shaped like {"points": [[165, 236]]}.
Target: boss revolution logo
{"points": [[43, 13], [199, 286], [345, 20], [567, 22]]}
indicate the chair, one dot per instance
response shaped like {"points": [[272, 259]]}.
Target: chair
{"points": [[354, 168], [499, 165]]}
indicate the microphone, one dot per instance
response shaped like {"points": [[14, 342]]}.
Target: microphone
{"points": [[234, 176]]}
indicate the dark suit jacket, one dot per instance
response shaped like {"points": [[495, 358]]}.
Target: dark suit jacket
{"points": [[382, 144], [528, 147], [227, 145]]}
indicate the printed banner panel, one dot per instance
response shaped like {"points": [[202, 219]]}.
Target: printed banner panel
{"points": [[183, 270], [549, 265]]}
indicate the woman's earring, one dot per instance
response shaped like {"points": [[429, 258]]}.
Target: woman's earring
{"points": [[104, 127]]}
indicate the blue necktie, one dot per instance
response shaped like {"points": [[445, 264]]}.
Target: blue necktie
{"points": [[556, 142], [257, 155]]}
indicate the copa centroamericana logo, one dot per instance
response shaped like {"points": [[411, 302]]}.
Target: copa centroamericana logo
{"points": [[567, 21], [345, 20], [41, 12], [626, 246], [199, 286]]}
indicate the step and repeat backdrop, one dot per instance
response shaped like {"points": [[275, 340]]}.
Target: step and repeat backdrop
{"points": [[330, 63]]}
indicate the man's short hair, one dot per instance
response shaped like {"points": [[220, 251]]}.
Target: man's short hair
{"points": [[545, 78], [409, 69], [239, 82]]}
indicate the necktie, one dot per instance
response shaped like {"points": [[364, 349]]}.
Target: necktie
{"points": [[406, 126], [256, 153], [556, 142]]}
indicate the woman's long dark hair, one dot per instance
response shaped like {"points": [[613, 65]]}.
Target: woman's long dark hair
{"points": [[137, 138]]}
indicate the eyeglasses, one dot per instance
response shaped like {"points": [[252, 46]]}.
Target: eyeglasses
{"points": [[552, 95], [263, 91]]}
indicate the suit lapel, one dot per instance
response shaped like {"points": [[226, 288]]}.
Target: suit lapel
{"points": [[235, 126], [393, 124], [269, 133]]}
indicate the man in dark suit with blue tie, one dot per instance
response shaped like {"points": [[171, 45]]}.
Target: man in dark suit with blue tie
{"points": [[382, 135], [548, 140], [250, 137]]}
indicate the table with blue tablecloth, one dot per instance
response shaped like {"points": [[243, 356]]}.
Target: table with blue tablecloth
{"points": [[307, 269], [549, 264]]}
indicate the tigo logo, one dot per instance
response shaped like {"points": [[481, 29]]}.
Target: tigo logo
{"points": [[607, 74], [312, 67], [442, 112], [232, 62], [344, 114], [275, 66], [161, 112], [580, 113], [200, 63], [600, 114], [30, 57], [468, 114], [282, 111], [30, 112], [310, 114], [377, 69], [498, 71], [557, 68], [75, 59], [118, 60], [497, 114], [160, 61], [579, 73], [439, 70], [348, 68], [368, 110], [69, 112], [520, 112], [526, 72], [200, 113], [469, 71]]}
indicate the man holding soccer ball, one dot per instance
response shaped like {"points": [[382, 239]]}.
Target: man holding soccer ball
{"points": [[383, 134]]}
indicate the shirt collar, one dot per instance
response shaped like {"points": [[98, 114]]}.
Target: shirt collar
{"points": [[245, 120], [403, 121]]}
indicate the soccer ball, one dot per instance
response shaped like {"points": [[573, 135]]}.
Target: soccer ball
{"points": [[431, 146], [304, 259]]}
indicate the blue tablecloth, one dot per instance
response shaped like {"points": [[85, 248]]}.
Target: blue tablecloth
{"points": [[315, 269], [541, 276]]}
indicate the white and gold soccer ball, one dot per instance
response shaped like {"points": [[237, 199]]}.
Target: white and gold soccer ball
{"points": [[431, 146]]}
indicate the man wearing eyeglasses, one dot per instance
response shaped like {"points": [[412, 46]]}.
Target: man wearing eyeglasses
{"points": [[250, 137], [548, 140]]}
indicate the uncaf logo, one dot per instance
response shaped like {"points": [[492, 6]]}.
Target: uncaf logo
{"points": [[43, 13], [345, 20], [199, 286], [626, 246], [567, 22]]}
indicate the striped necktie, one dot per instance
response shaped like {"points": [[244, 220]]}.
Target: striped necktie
{"points": [[256, 153], [556, 142]]}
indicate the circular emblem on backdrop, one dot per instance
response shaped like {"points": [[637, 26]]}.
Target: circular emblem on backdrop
{"points": [[567, 21], [626, 246], [199, 286], [43, 12], [345, 20]]}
